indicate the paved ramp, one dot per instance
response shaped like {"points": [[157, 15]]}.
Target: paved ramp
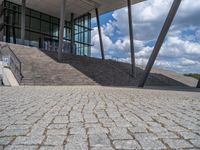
{"points": [[42, 68]]}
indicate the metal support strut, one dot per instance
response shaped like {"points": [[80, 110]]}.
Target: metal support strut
{"points": [[133, 69], [160, 41], [198, 85], [23, 21], [100, 36], [72, 34], [61, 31]]}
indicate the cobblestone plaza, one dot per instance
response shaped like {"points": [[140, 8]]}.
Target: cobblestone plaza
{"points": [[98, 118]]}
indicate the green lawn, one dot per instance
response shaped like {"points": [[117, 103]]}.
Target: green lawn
{"points": [[194, 75]]}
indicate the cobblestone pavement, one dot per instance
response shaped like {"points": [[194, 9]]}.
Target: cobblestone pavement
{"points": [[98, 118]]}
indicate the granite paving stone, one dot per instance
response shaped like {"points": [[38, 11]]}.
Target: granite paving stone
{"points": [[178, 143], [126, 144], [26, 140], [6, 140], [196, 142], [98, 118], [54, 140], [51, 148]]}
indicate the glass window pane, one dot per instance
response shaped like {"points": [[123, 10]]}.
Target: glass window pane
{"points": [[54, 20], [27, 35], [68, 33], [45, 27], [35, 24], [18, 33], [27, 11], [65, 31], [35, 14], [7, 4], [34, 36], [27, 22], [45, 17], [86, 37], [55, 30], [17, 19]]}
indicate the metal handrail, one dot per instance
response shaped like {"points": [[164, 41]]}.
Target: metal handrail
{"points": [[20, 63], [18, 68]]}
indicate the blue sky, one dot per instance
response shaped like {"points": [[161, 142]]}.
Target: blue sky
{"points": [[181, 49]]}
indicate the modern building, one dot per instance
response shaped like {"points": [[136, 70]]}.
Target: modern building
{"points": [[42, 23], [42, 30], [64, 26]]}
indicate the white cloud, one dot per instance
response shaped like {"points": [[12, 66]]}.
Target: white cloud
{"points": [[181, 50]]}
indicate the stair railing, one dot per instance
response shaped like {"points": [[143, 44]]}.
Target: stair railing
{"points": [[15, 64]]}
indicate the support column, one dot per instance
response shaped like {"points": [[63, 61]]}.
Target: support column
{"points": [[160, 41], [7, 20], [13, 24], [72, 34], [61, 30], [100, 36], [1, 22], [198, 85], [133, 70], [23, 21]]}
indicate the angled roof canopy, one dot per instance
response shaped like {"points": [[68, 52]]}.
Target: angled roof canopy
{"points": [[78, 7]]}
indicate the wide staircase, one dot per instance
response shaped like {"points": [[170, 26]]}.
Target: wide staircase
{"points": [[42, 68]]}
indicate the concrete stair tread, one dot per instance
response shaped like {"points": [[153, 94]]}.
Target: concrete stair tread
{"points": [[41, 68]]}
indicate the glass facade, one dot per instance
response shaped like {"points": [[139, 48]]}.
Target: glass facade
{"points": [[42, 30]]}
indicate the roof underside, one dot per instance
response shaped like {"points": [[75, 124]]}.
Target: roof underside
{"points": [[78, 7]]}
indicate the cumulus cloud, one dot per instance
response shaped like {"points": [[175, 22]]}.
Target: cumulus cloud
{"points": [[181, 49]]}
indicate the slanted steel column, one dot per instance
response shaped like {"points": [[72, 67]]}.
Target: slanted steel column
{"points": [[160, 41], [72, 33], [23, 21], [198, 85], [100, 36], [61, 30], [133, 70]]}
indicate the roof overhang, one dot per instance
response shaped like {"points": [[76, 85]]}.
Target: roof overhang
{"points": [[78, 7]]}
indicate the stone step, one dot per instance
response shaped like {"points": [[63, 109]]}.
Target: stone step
{"points": [[42, 68]]}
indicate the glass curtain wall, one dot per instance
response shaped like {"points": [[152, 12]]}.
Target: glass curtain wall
{"points": [[42, 30], [83, 35]]}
